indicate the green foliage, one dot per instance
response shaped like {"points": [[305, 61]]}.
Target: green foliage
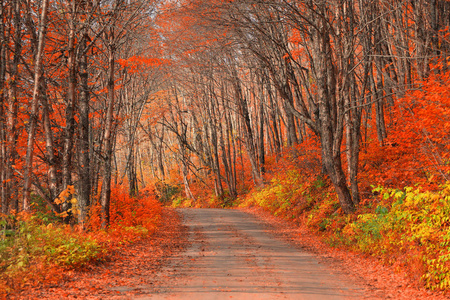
{"points": [[34, 242], [182, 202], [43, 211], [412, 227], [322, 216], [167, 193], [67, 249]]}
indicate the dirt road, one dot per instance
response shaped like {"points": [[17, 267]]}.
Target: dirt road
{"points": [[232, 255]]}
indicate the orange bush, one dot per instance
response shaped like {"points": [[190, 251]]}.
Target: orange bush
{"points": [[131, 218], [417, 148]]}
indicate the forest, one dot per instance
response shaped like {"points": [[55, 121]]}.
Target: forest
{"points": [[332, 114]]}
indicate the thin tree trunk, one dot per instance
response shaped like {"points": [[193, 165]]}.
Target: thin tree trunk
{"points": [[262, 150], [38, 74], [3, 148], [108, 139], [71, 98], [248, 133], [226, 146], [213, 110], [50, 149], [11, 118], [84, 180], [274, 118]]}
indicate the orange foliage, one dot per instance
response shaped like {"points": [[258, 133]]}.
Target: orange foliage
{"points": [[136, 64], [418, 144], [131, 217], [134, 265]]}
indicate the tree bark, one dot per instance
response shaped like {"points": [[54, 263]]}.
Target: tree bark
{"points": [[248, 133], [108, 136], [38, 71], [331, 125], [50, 150], [4, 198], [84, 168], [70, 103], [11, 114]]}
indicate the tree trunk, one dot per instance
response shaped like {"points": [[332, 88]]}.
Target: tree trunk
{"points": [[70, 105], [248, 133], [84, 169], [261, 148], [50, 149], [108, 138], [11, 115], [228, 149], [274, 118], [38, 74], [4, 198], [331, 125]]}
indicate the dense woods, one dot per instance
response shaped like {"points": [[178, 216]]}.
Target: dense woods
{"points": [[254, 78], [207, 101], [66, 97]]}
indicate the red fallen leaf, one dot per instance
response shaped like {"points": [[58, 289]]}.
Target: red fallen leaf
{"points": [[96, 281]]}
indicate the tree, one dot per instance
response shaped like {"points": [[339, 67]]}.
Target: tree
{"points": [[38, 73]]}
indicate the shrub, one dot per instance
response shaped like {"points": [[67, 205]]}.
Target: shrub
{"points": [[39, 247], [131, 218], [412, 228], [34, 248]]}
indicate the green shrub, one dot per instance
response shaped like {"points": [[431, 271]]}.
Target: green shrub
{"points": [[411, 226], [34, 241]]}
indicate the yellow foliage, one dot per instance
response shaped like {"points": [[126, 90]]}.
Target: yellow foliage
{"points": [[411, 225], [66, 195]]}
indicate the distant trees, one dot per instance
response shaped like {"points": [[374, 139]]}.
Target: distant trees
{"points": [[213, 87], [279, 72]]}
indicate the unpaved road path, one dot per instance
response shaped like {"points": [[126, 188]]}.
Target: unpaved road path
{"points": [[232, 255]]}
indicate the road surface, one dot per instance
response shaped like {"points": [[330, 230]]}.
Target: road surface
{"points": [[232, 255]]}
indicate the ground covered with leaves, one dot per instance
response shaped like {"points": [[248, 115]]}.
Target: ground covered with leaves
{"points": [[126, 272], [133, 270], [381, 281]]}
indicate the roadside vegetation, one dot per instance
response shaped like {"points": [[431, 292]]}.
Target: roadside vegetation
{"points": [[404, 215], [331, 114], [39, 248]]}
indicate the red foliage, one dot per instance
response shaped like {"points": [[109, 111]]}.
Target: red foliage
{"points": [[417, 148], [132, 220], [133, 265], [128, 215]]}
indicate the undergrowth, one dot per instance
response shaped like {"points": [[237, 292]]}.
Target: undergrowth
{"points": [[407, 228], [31, 251], [35, 248]]}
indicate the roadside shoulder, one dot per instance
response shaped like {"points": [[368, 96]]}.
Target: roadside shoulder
{"points": [[379, 281]]}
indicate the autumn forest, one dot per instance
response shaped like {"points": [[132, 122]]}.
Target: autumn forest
{"points": [[330, 114]]}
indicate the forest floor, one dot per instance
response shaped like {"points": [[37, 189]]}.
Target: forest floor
{"points": [[126, 273], [228, 254]]}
